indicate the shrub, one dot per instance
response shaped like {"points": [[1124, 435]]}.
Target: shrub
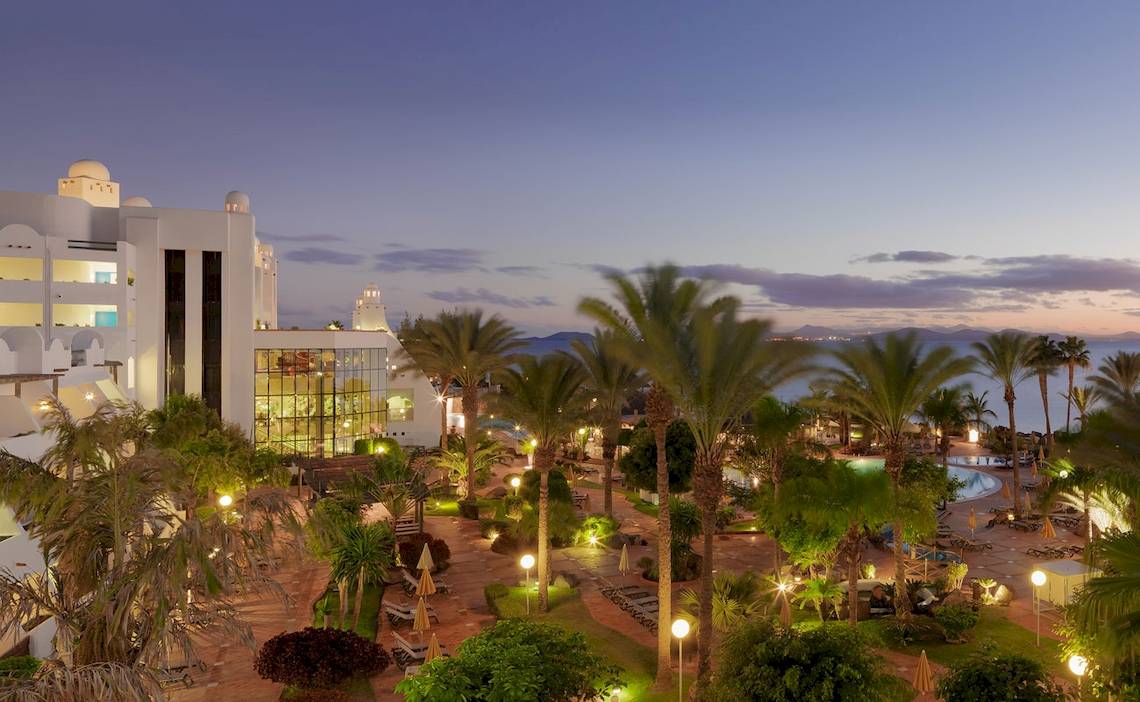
{"points": [[516, 660], [362, 447], [724, 517], [867, 571], [321, 695], [493, 592], [498, 526], [956, 575], [412, 546], [318, 658], [506, 545], [955, 619], [992, 675], [772, 664], [559, 489], [468, 510], [639, 464], [598, 525], [906, 631], [19, 666]]}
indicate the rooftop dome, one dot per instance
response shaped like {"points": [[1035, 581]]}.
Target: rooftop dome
{"points": [[237, 201], [88, 168], [136, 201]]}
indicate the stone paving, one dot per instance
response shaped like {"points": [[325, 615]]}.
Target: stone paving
{"points": [[464, 612]]}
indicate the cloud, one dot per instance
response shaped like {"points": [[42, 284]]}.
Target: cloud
{"points": [[909, 256], [441, 260], [314, 254], [520, 270], [485, 296], [301, 238]]}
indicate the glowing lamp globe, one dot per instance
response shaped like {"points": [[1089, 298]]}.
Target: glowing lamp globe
{"points": [[527, 562], [1037, 578], [680, 628], [225, 500], [516, 481], [1079, 665], [973, 436]]}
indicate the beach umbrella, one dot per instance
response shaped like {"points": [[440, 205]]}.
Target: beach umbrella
{"points": [[972, 522], [422, 622], [1047, 529], [623, 562], [1005, 490], [426, 562], [785, 611], [923, 677], [433, 651], [426, 585]]}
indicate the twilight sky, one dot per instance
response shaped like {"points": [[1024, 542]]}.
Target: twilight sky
{"points": [[851, 164]]}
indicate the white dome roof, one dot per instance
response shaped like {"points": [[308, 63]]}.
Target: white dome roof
{"points": [[136, 201], [237, 200], [88, 168]]}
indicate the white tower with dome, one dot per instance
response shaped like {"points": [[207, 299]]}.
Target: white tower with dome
{"points": [[370, 313]]}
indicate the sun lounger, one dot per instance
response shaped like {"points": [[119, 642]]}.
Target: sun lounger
{"points": [[399, 614], [411, 583], [968, 544], [406, 653]]}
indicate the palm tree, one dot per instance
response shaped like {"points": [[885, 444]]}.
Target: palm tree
{"points": [[610, 379], [773, 434], [977, 408], [646, 322], [1007, 358], [1074, 354], [488, 454], [1118, 376], [471, 348], [1045, 359], [362, 558], [1106, 611], [840, 499], [944, 411], [545, 396], [1084, 398], [736, 598], [721, 366], [423, 356], [817, 592], [886, 383]]}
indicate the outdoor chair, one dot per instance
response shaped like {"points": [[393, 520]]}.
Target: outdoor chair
{"points": [[410, 583], [398, 614]]}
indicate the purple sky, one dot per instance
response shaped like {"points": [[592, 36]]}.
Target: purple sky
{"points": [[852, 164]]}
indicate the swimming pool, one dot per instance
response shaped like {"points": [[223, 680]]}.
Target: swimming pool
{"points": [[977, 483]]}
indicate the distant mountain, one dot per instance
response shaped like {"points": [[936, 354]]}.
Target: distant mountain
{"points": [[542, 345]]}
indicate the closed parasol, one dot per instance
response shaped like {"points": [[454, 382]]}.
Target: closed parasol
{"points": [[623, 562], [433, 651], [1047, 529], [923, 677], [426, 586]]}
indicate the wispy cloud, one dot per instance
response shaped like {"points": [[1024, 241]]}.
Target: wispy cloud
{"points": [[440, 260], [520, 270], [909, 256], [461, 296], [300, 238], [314, 254]]}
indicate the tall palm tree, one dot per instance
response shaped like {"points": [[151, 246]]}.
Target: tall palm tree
{"points": [[1074, 355], [544, 395], [1084, 398], [361, 558], [886, 382], [1106, 611], [610, 379], [721, 365], [647, 321], [977, 408], [1046, 358], [844, 500], [1007, 358], [944, 411], [772, 435], [423, 356], [1118, 376], [488, 454], [471, 348]]}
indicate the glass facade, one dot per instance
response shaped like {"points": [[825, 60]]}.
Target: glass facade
{"points": [[318, 402]]}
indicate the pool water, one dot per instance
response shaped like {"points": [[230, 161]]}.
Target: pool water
{"points": [[977, 483]]}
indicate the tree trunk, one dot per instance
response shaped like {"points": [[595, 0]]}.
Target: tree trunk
{"points": [[358, 603], [443, 424], [895, 458], [853, 537], [609, 448], [543, 460], [1069, 397], [1043, 380], [342, 602], [707, 488], [470, 434], [659, 412], [1015, 459]]}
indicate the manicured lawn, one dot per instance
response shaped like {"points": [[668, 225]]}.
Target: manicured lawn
{"points": [[746, 526], [591, 484], [360, 689], [899, 690], [450, 508], [567, 610]]}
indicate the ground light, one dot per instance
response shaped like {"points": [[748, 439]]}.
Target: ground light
{"points": [[225, 500], [680, 631], [1078, 666], [527, 562], [1038, 579]]}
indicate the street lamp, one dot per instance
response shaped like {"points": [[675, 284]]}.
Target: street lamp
{"points": [[1078, 666], [225, 500], [527, 562], [1038, 579], [515, 482], [680, 631]]}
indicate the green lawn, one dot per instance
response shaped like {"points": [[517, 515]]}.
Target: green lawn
{"points": [[450, 508], [567, 610], [325, 614], [746, 526]]}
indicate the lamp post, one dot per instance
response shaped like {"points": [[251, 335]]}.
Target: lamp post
{"points": [[1038, 579], [225, 500], [1078, 665], [527, 562], [680, 631], [515, 483]]}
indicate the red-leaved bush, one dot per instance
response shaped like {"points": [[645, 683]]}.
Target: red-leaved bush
{"points": [[412, 545], [318, 658]]}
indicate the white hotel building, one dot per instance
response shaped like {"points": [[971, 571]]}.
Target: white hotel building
{"points": [[108, 298]]}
